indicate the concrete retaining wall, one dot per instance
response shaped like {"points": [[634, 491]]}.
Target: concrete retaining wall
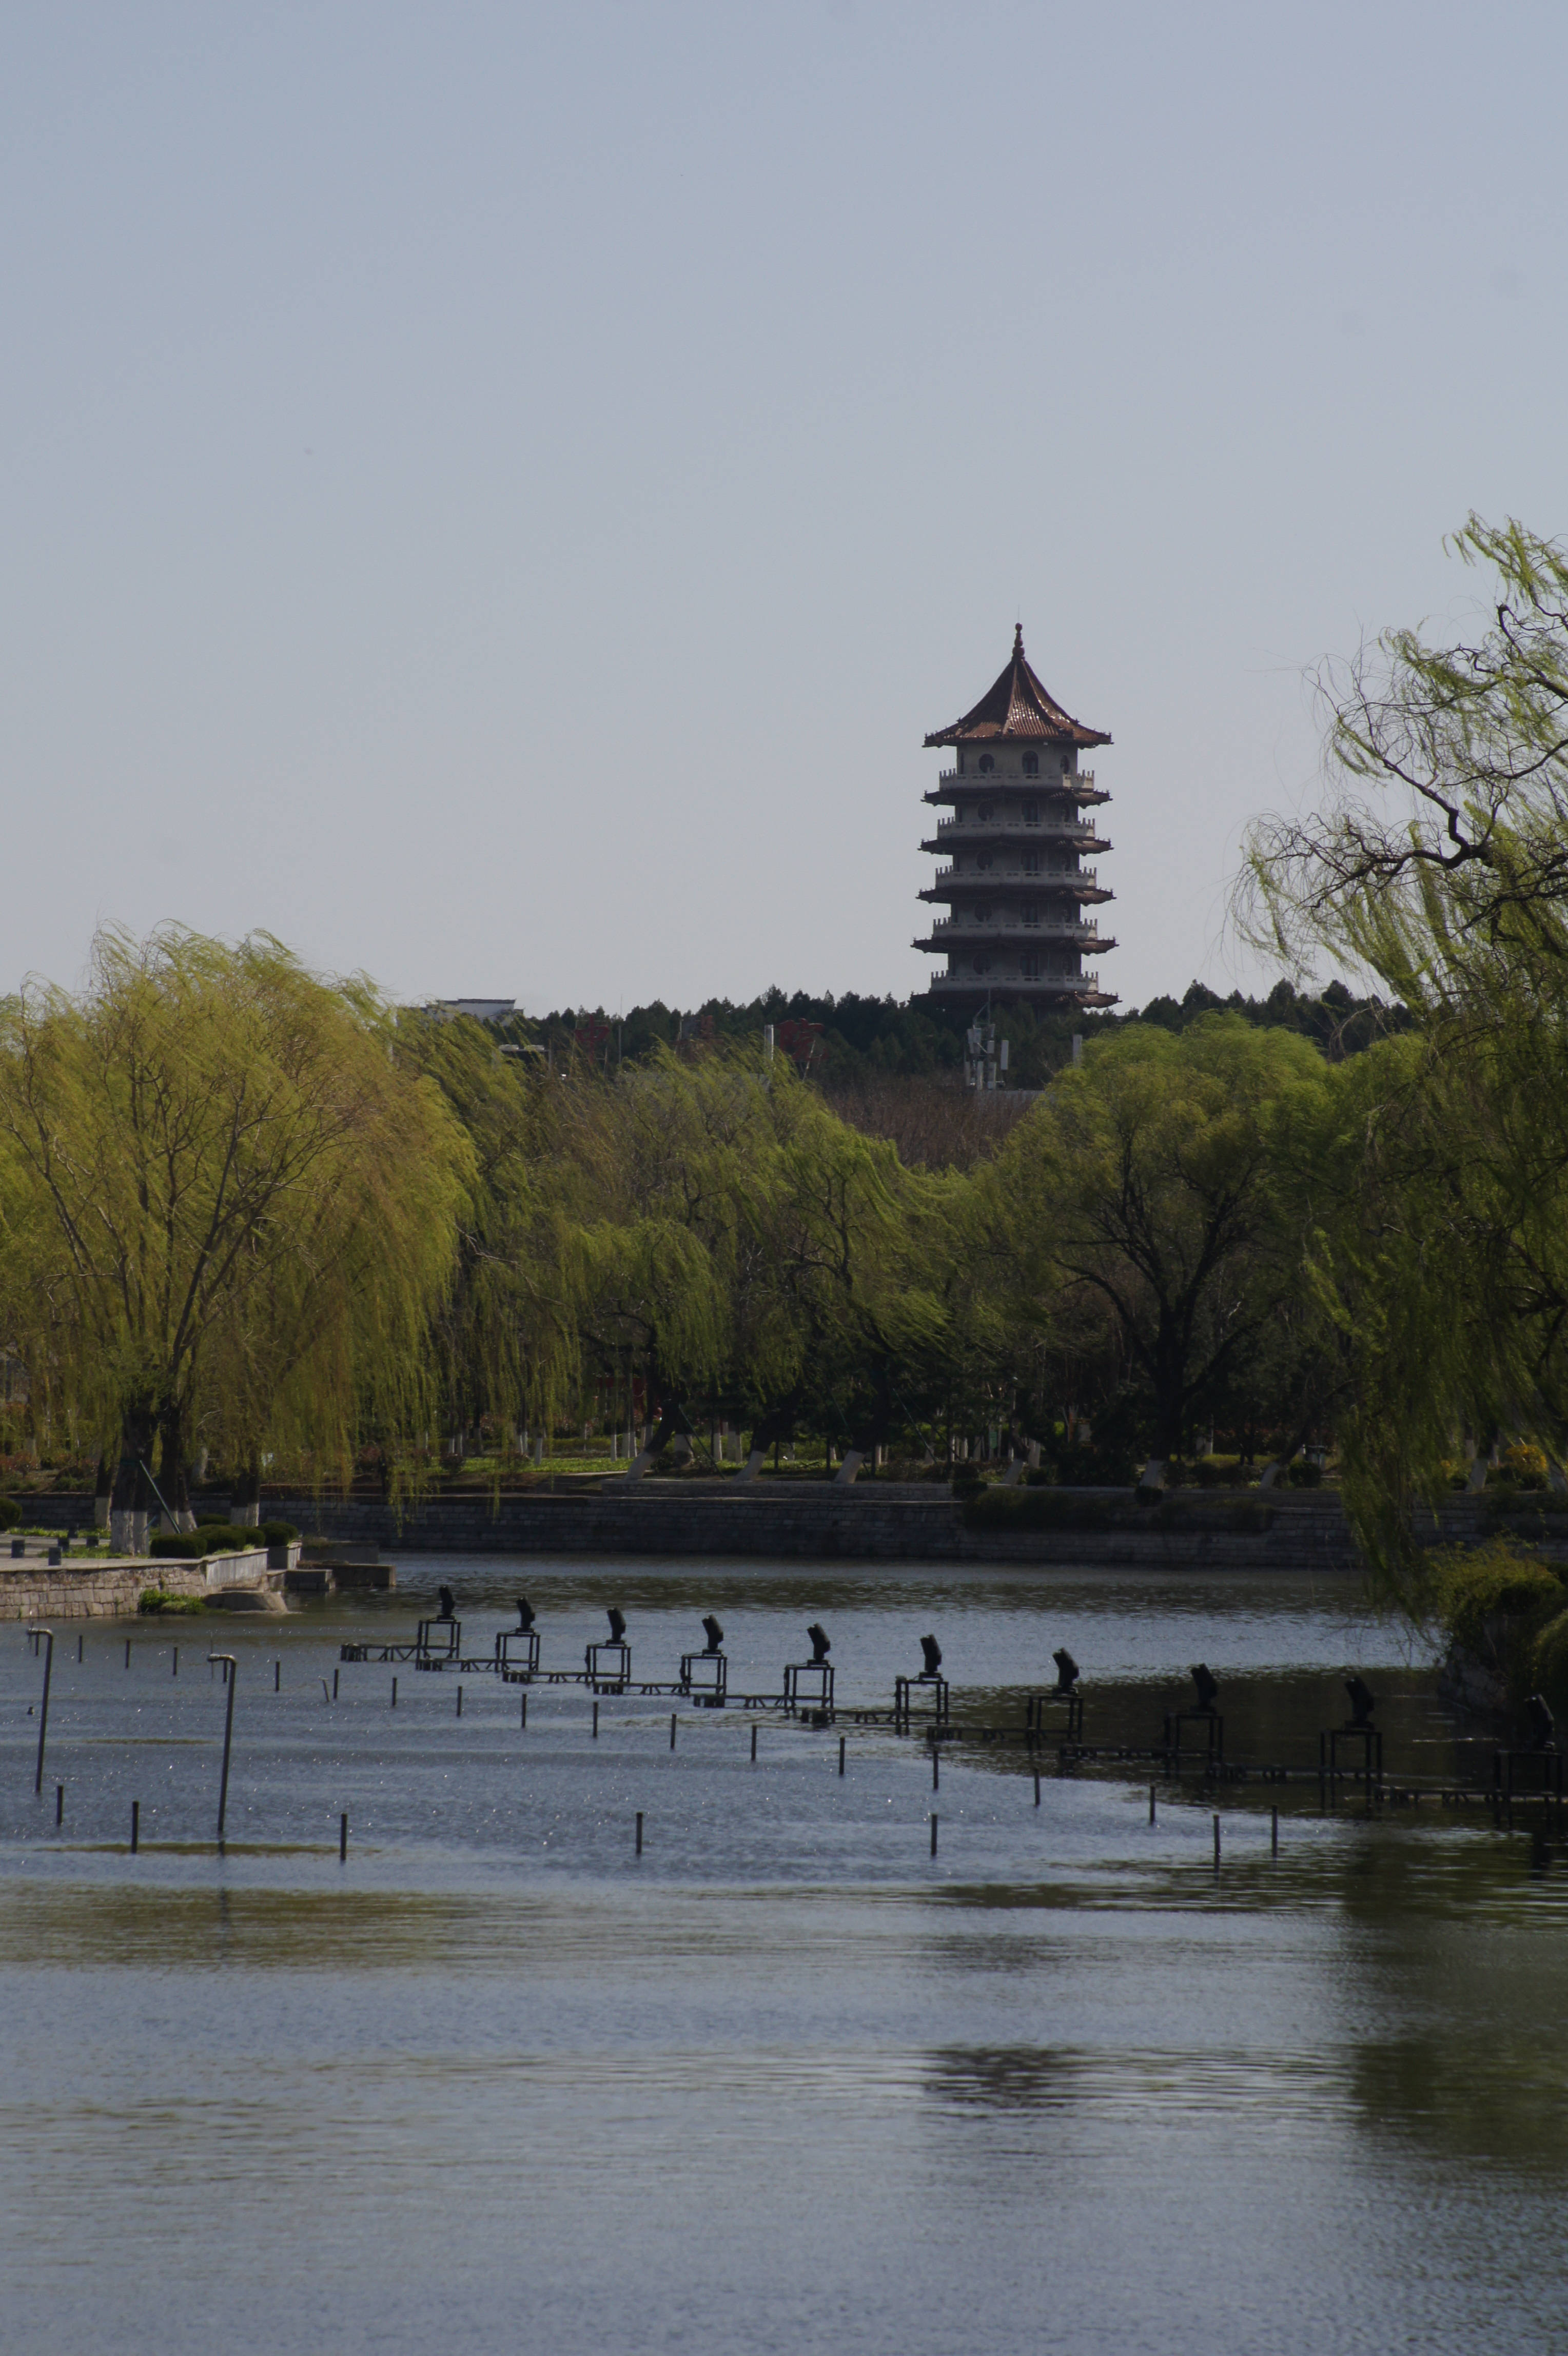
{"points": [[876, 1522], [33, 1589]]}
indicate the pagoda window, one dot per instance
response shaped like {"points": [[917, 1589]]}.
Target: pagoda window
{"points": [[1030, 862], [986, 812], [1066, 764], [982, 858], [1031, 764], [983, 964], [1030, 965], [987, 765], [960, 760], [1032, 913], [1031, 813]]}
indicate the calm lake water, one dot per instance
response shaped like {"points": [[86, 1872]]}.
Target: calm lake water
{"points": [[785, 2083]]}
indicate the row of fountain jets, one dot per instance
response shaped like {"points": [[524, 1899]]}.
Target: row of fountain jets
{"points": [[1363, 1701]]}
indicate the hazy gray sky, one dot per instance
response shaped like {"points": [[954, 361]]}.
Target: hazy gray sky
{"points": [[496, 495]]}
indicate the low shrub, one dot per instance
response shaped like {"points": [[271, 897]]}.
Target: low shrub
{"points": [[213, 1537], [1302, 1474], [1036, 1509], [1219, 1472], [277, 1534], [1524, 1505], [1494, 1602], [159, 1601], [10, 1514], [1525, 1465]]}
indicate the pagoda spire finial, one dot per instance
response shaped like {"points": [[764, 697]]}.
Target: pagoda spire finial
{"points": [[1017, 637]]}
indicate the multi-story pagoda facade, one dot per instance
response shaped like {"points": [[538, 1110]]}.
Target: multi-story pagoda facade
{"points": [[1016, 838]]}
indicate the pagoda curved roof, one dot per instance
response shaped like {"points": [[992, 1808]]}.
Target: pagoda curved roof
{"points": [[1017, 705]]}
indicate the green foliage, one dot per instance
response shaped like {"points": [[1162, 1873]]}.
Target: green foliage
{"points": [[10, 1514], [1439, 864], [1146, 1206], [228, 1208], [213, 1538], [274, 1533], [1491, 1601], [155, 1601], [1549, 1661]]}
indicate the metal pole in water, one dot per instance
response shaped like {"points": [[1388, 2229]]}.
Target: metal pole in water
{"points": [[459, 1701], [934, 1823], [1036, 1787], [135, 1826], [78, 1643], [277, 1677], [671, 1729], [840, 1751], [394, 1693], [334, 1685], [233, 1675], [935, 1768], [1216, 1844], [595, 1721], [175, 1670], [44, 1710], [1151, 1803], [343, 1838], [1274, 1834], [753, 1738], [59, 1805], [640, 1832], [127, 1651]]}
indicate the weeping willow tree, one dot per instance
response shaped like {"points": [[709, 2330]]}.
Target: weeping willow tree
{"points": [[230, 1211], [507, 1339], [1438, 863], [1144, 1217], [740, 1246]]}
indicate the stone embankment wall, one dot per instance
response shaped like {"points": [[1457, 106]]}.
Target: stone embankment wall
{"points": [[32, 1591], [33, 1588], [878, 1522]]}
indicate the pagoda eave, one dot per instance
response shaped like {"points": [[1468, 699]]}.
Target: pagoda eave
{"points": [[1066, 992], [1064, 788], [1016, 937]]}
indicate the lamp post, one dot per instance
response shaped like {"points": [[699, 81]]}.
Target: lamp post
{"points": [[228, 1737], [44, 1708]]}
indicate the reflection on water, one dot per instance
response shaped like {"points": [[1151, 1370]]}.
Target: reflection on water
{"points": [[784, 2082]]}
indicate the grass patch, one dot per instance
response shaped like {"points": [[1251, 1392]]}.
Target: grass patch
{"points": [[156, 1602]]}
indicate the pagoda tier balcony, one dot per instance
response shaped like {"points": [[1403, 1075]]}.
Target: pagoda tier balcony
{"points": [[1011, 827], [1079, 884], [1078, 787], [948, 934], [1043, 988]]}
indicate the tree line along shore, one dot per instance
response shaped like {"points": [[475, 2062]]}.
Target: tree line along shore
{"points": [[260, 1225]]}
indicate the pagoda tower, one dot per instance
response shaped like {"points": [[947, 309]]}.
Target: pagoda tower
{"points": [[1016, 886]]}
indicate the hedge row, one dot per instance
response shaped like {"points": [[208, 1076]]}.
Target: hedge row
{"points": [[220, 1537]]}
